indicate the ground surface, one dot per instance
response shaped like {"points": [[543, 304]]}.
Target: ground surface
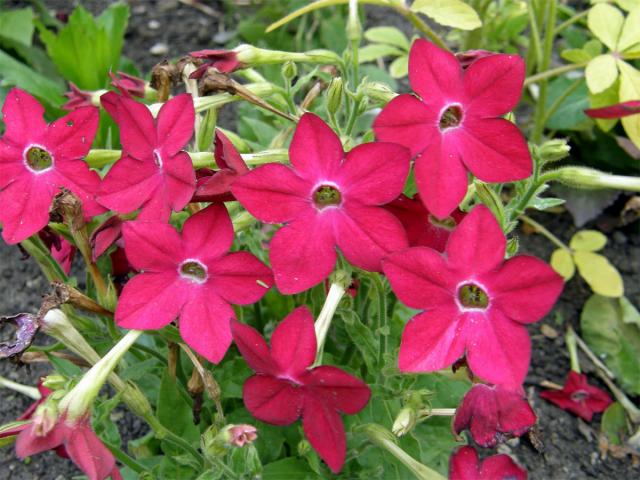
{"points": [[568, 453]]}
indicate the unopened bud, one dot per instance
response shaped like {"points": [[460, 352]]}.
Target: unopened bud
{"points": [[239, 435], [334, 95], [304, 447], [45, 418], [405, 421], [54, 382], [583, 177], [289, 71], [553, 150], [136, 400]]}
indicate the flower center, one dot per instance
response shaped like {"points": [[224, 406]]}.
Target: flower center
{"points": [[194, 271], [326, 196], [472, 296], [579, 396], [38, 159], [451, 117]]}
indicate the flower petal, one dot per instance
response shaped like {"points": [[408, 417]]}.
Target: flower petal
{"points": [[434, 74], [83, 182], [273, 193], [366, 235], [72, 135], [89, 453], [431, 341], [176, 121], [323, 428], [420, 278], [205, 324], [493, 85], [152, 246], [272, 400], [406, 120], [226, 155], [374, 173], [240, 278], [501, 467], [137, 128], [464, 464], [525, 288], [303, 253], [23, 118], [336, 387], [494, 150], [11, 163], [28, 443], [179, 180], [315, 151], [477, 245], [150, 301], [253, 348], [208, 234], [293, 343]]}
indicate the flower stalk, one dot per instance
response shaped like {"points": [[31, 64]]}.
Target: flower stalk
{"points": [[31, 392], [572, 346], [322, 324]]}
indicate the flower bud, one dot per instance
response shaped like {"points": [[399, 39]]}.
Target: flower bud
{"points": [[289, 71], [553, 150], [136, 400], [304, 447], [583, 177], [334, 95], [56, 324], [239, 435], [405, 421], [54, 382], [379, 92], [45, 418]]}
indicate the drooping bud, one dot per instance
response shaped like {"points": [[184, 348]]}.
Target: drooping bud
{"points": [[404, 422], [553, 150]]}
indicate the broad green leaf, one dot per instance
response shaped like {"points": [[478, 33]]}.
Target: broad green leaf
{"points": [[602, 277], [544, 203], [389, 36], [288, 468], [575, 55], [615, 342], [628, 4], [570, 114], [614, 423], [588, 241], [14, 73], [630, 90], [173, 411], [605, 22], [630, 36], [375, 51], [601, 72], [562, 263], [607, 97], [17, 25], [399, 67], [362, 337], [630, 313], [451, 13]]}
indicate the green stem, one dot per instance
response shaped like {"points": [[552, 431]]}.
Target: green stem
{"points": [[125, 459], [164, 433], [322, 324], [418, 23], [540, 229], [547, 51], [382, 313], [553, 72], [534, 54], [572, 346], [567, 23]]}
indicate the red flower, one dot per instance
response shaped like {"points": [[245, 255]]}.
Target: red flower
{"points": [[618, 110], [37, 159], [128, 85], [467, 57], [578, 397], [153, 174], [493, 414], [61, 250], [215, 186], [190, 276], [327, 199], [73, 439], [77, 98], [284, 388], [105, 235], [465, 465], [225, 61], [455, 125], [423, 229], [474, 302]]}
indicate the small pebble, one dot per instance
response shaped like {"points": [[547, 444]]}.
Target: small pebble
{"points": [[153, 24], [159, 49]]}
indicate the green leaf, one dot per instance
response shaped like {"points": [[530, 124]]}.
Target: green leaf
{"points": [[362, 337], [617, 343], [575, 55], [174, 412], [602, 277], [451, 13], [544, 203], [288, 469], [630, 37], [570, 114], [630, 313], [605, 98], [14, 73], [389, 36], [614, 423], [399, 67], [601, 72], [562, 262], [630, 90], [588, 241], [593, 48], [64, 367], [370, 53], [605, 22], [17, 25]]}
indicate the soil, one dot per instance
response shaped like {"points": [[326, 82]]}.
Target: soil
{"points": [[568, 453]]}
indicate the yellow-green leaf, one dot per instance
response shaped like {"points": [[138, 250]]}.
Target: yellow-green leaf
{"points": [[606, 98], [593, 47], [399, 67], [562, 263], [452, 13], [588, 241], [605, 22], [375, 51], [630, 90], [602, 277], [601, 72], [387, 35], [628, 5], [630, 36], [575, 55]]}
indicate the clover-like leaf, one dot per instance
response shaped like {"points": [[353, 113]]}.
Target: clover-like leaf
{"points": [[562, 263], [602, 277], [588, 241], [601, 72], [630, 90], [399, 67], [375, 51], [388, 36], [605, 22], [607, 97], [629, 40], [451, 13]]}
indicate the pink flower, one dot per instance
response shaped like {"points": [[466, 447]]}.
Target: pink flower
{"points": [[578, 397], [493, 414], [77, 98], [27, 414], [618, 110], [153, 174], [105, 235], [225, 61], [455, 125], [327, 199], [215, 186], [465, 465], [190, 276], [37, 159], [423, 229], [285, 388], [475, 302], [128, 84], [74, 439], [241, 435], [467, 57]]}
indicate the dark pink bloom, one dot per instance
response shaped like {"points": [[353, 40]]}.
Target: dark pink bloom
{"points": [[105, 235], [77, 98], [475, 302], [215, 186], [61, 250], [578, 397], [467, 57], [455, 125], [618, 110], [37, 159], [327, 199], [493, 414], [225, 61], [128, 85], [73, 439], [285, 388], [191, 276], [423, 229], [154, 174], [465, 465]]}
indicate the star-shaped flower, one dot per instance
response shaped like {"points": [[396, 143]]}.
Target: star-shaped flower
{"points": [[465, 465], [474, 302], [455, 125], [37, 159], [190, 276], [327, 199], [285, 387], [578, 397]]}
